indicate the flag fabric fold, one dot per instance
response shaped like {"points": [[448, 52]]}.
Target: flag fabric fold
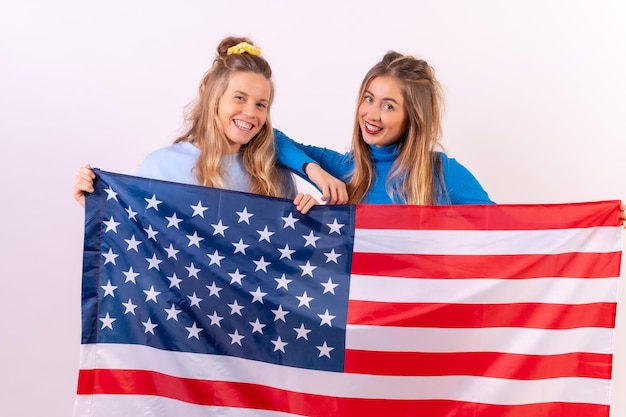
{"points": [[199, 301]]}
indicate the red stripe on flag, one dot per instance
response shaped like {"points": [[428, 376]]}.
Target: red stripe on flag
{"points": [[242, 395], [489, 217], [578, 265], [529, 315], [488, 364]]}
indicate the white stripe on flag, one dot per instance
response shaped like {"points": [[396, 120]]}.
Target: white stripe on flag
{"points": [[483, 291], [491, 242], [497, 339]]}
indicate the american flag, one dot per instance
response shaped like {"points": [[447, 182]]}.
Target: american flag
{"points": [[207, 302]]}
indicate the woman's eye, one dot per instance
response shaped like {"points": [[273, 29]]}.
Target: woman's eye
{"points": [[239, 98], [388, 107], [368, 99], [262, 106]]}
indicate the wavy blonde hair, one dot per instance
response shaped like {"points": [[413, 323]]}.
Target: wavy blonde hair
{"points": [[207, 133], [415, 176]]}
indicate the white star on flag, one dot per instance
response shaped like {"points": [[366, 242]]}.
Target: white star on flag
{"points": [[109, 257], [261, 264], [151, 294], [107, 321], [335, 227], [235, 308], [244, 216], [326, 318], [286, 252], [174, 281], [283, 282], [214, 290], [305, 300], [324, 350], [153, 202], [171, 252], [151, 233], [280, 314], [257, 327], [219, 228], [194, 239], [111, 194], [130, 275], [149, 326], [194, 331], [332, 256], [195, 300], [108, 289], [329, 286], [131, 213], [302, 332], [310, 239], [307, 269], [215, 258], [173, 220], [130, 307], [258, 295], [279, 344], [172, 313], [133, 243], [265, 234], [240, 247], [154, 262], [193, 271], [235, 338], [290, 221], [198, 209], [215, 319], [236, 277], [111, 224]]}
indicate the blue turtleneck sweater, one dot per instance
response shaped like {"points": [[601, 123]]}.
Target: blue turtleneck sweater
{"points": [[462, 187]]}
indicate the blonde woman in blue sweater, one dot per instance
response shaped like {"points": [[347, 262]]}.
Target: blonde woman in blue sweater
{"points": [[394, 157]]}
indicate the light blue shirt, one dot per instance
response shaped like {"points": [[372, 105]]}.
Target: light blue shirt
{"points": [[175, 163]]}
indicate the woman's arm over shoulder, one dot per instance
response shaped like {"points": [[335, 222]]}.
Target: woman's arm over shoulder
{"points": [[319, 166], [295, 156], [461, 185], [290, 153]]}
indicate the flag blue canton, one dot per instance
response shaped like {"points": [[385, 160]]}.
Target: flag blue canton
{"points": [[197, 269]]}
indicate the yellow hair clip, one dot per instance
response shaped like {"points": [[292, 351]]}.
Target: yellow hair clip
{"points": [[242, 47]]}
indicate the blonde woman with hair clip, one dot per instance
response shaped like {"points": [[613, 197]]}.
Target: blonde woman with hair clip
{"points": [[230, 142], [396, 155]]}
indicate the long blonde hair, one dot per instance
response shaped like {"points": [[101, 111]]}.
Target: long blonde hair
{"points": [[207, 133], [415, 176]]}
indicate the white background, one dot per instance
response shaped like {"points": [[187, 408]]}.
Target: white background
{"points": [[536, 110]]}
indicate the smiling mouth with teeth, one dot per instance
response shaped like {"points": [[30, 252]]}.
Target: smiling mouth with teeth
{"points": [[243, 125], [372, 129]]}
